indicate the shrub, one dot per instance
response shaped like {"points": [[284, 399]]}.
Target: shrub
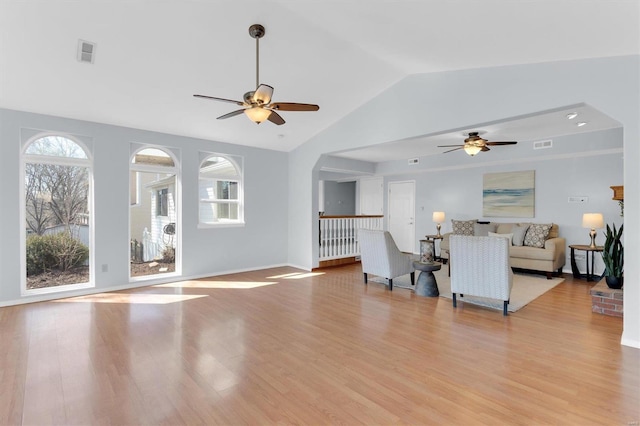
{"points": [[168, 254], [39, 254], [54, 251]]}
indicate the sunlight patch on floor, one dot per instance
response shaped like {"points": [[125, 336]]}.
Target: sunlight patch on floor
{"points": [[296, 275], [217, 284], [146, 298]]}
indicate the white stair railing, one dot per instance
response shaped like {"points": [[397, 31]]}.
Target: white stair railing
{"points": [[339, 235]]}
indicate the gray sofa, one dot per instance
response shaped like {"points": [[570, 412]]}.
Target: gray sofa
{"points": [[550, 259]]}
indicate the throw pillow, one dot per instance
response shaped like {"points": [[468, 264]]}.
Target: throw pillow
{"points": [[537, 234], [463, 227], [507, 236], [519, 231], [482, 229]]}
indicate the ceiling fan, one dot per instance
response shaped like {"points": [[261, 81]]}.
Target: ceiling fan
{"points": [[473, 144], [257, 104]]}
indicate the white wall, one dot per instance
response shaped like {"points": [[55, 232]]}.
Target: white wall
{"points": [[438, 102], [208, 251], [339, 198]]}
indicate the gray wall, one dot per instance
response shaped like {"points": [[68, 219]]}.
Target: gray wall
{"points": [[426, 104], [588, 172], [339, 198], [262, 242]]}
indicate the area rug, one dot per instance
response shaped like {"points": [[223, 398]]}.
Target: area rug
{"points": [[526, 288]]}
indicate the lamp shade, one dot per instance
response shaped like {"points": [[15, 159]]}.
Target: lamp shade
{"points": [[438, 217], [257, 114], [592, 220]]}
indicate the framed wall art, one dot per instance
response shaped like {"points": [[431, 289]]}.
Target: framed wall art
{"points": [[509, 194]]}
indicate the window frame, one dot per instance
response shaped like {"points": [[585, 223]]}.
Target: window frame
{"points": [[87, 163], [175, 169], [237, 163], [162, 202]]}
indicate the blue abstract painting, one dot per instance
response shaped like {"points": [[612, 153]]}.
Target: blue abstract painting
{"points": [[509, 194]]}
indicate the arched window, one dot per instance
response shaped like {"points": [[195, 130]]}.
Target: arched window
{"points": [[57, 215], [220, 191], [153, 213]]}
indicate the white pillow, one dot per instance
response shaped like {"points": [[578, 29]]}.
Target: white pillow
{"points": [[519, 231], [507, 236]]}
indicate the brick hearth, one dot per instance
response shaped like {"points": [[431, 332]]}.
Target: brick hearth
{"points": [[605, 300]]}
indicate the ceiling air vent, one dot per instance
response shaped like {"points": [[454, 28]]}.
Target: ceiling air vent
{"points": [[86, 51], [413, 161], [543, 144]]}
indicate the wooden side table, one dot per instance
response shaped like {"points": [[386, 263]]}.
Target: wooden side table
{"points": [[574, 267]]}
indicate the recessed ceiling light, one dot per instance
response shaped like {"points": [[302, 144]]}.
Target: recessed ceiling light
{"points": [[580, 124], [572, 115]]}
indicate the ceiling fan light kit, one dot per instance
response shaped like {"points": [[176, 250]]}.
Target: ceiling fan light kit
{"points": [[473, 144], [472, 149], [257, 105], [257, 114]]}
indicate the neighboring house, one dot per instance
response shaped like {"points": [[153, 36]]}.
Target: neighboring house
{"points": [[162, 217], [140, 203]]}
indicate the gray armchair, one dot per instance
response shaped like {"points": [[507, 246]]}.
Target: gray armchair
{"points": [[480, 267], [380, 256]]}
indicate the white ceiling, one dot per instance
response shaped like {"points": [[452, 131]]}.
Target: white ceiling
{"points": [[533, 128], [152, 56]]}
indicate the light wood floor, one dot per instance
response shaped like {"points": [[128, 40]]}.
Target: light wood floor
{"points": [[267, 347]]}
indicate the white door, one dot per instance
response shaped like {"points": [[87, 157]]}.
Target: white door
{"points": [[402, 214], [371, 196]]}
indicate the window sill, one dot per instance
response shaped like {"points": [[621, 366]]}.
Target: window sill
{"points": [[56, 289], [221, 225]]}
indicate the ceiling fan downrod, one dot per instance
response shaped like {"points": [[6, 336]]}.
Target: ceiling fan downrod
{"points": [[257, 31]]}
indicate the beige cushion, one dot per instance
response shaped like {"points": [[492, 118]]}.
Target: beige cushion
{"points": [[532, 253], [504, 228], [483, 229]]}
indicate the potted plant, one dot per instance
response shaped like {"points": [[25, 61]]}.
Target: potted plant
{"points": [[613, 257]]}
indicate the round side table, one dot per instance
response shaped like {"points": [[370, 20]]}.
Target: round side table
{"points": [[427, 285]]}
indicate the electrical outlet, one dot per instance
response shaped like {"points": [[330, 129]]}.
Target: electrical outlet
{"points": [[579, 257]]}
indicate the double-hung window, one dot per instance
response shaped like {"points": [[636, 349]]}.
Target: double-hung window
{"points": [[220, 191]]}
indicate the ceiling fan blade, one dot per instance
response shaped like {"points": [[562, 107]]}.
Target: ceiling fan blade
{"points": [[454, 149], [292, 106], [220, 99], [231, 114], [501, 143], [262, 95], [485, 148], [275, 118], [448, 146]]}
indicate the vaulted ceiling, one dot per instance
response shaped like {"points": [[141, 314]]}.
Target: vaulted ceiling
{"points": [[152, 56]]}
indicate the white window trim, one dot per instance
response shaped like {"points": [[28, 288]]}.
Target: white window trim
{"points": [[151, 168], [60, 161], [238, 163]]}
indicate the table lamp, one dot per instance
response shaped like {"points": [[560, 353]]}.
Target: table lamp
{"points": [[593, 221], [438, 217]]}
